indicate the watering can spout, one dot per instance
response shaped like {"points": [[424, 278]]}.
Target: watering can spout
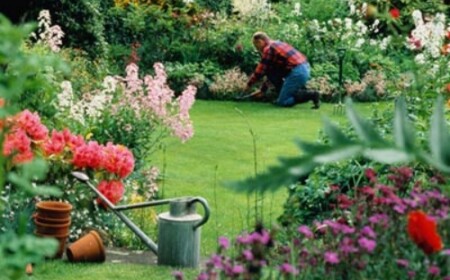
{"points": [[80, 176]]}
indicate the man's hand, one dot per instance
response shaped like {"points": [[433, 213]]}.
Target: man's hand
{"points": [[247, 89]]}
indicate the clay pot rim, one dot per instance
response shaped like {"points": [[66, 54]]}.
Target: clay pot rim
{"points": [[67, 224], [36, 216], [100, 243], [50, 235], [51, 205]]}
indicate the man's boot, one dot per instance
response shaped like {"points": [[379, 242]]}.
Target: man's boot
{"points": [[304, 95]]}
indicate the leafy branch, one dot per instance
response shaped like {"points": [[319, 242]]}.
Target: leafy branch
{"points": [[369, 144]]}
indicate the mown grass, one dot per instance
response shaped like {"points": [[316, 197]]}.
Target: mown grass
{"points": [[222, 149]]}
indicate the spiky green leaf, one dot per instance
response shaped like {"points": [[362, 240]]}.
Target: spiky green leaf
{"points": [[439, 135], [403, 133], [388, 155], [336, 136], [363, 128]]}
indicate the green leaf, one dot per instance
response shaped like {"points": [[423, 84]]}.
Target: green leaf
{"points": [[337, 153], [388, 155], [363, 128], [403, 134], [439, 135], [336, 135]]}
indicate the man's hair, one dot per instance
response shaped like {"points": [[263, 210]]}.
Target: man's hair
{"points": [[260, 36]]}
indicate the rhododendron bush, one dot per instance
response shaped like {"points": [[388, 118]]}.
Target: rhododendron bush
{"points": [[27, 137]]}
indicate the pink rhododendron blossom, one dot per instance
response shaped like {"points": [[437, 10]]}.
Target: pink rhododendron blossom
{"points": [[18, 144], [31, 124], [89, 155], [72, 141], [112, 190], [118, 160], [55, 144]]}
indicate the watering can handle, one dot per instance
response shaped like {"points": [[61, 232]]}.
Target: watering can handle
{"points": [[205, 206]]}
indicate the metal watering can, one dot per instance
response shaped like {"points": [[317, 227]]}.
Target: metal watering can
{"points": [[178, 230]]}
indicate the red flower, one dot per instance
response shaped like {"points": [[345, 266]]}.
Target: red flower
{"points": [[112, 190], [422, 230], [395, 13]]}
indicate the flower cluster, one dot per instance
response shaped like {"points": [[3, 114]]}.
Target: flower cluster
{"points": [[428, 37], [378, 222], [27, 137], [372, 79], [231, 82], [49, 35]]}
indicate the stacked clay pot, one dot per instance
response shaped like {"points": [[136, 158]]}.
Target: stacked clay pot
{"points": [[52, 220]]}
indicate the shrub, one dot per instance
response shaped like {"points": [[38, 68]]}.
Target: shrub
{"points": [[229, 85]]}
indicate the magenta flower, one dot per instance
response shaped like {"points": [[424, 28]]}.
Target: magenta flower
{"points": [[331, 258], [371, 175], [288, 269], [306, 231], [248, 255], [434, 270], [369, 232], [224, 243], [402, 263], [367, 244], [347, 247], [178, 275], [238, 269]]}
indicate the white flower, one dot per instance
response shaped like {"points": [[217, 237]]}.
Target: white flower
{"points": [[385, 42], [417, 17], [359, 43], [187, 2], [420, 58], [297, 9]]}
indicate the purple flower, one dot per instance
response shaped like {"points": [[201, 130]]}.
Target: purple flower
{"points": [[248, 255], [178, 275], [347, 229], [331, 258], [434, 270], [379, 219], [288, 269], [306, 231], [402, 262], [202, 276], [411, 274], [446, 277], [216, 260], [369, 232], [400, 208], [244, 239], [238, 269], [367, 244], [347, 246], [224, 243], [446, 252]]}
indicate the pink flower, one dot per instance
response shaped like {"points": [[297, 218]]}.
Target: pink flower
{"points": [[18, 144], [288, 269], [402, 263], [306, 231], [224, 243], [72, 141], [331, 258], [434, 270], [31, 123], [55, 144], [248, 255], [371, 175], [112, 190], [89, 155], [118, 160], [367, 244], [369, 232]]}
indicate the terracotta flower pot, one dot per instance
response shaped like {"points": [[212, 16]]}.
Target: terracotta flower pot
{"points": [[62, 243], [53, 209], [52, 229], [47, 220], [88, 248]]}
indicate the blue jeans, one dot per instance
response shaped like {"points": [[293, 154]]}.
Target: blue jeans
{"points": [[296, 79]]}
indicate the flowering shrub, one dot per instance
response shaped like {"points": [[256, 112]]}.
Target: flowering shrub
{"points": [[380, 225], [48, 35], [371, 88], [230, 84]]}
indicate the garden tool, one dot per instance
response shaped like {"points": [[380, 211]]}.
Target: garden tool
{"points": [[246, 96], [178, 230], [339, 107]]}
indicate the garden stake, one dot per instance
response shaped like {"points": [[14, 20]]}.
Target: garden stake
{"points": [[178, 230], [339, 108]]}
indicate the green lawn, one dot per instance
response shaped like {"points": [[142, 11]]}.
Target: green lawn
{"points": [[221, 150]]}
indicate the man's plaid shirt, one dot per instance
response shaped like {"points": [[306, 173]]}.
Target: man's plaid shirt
{"points": [[277, 56]]}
